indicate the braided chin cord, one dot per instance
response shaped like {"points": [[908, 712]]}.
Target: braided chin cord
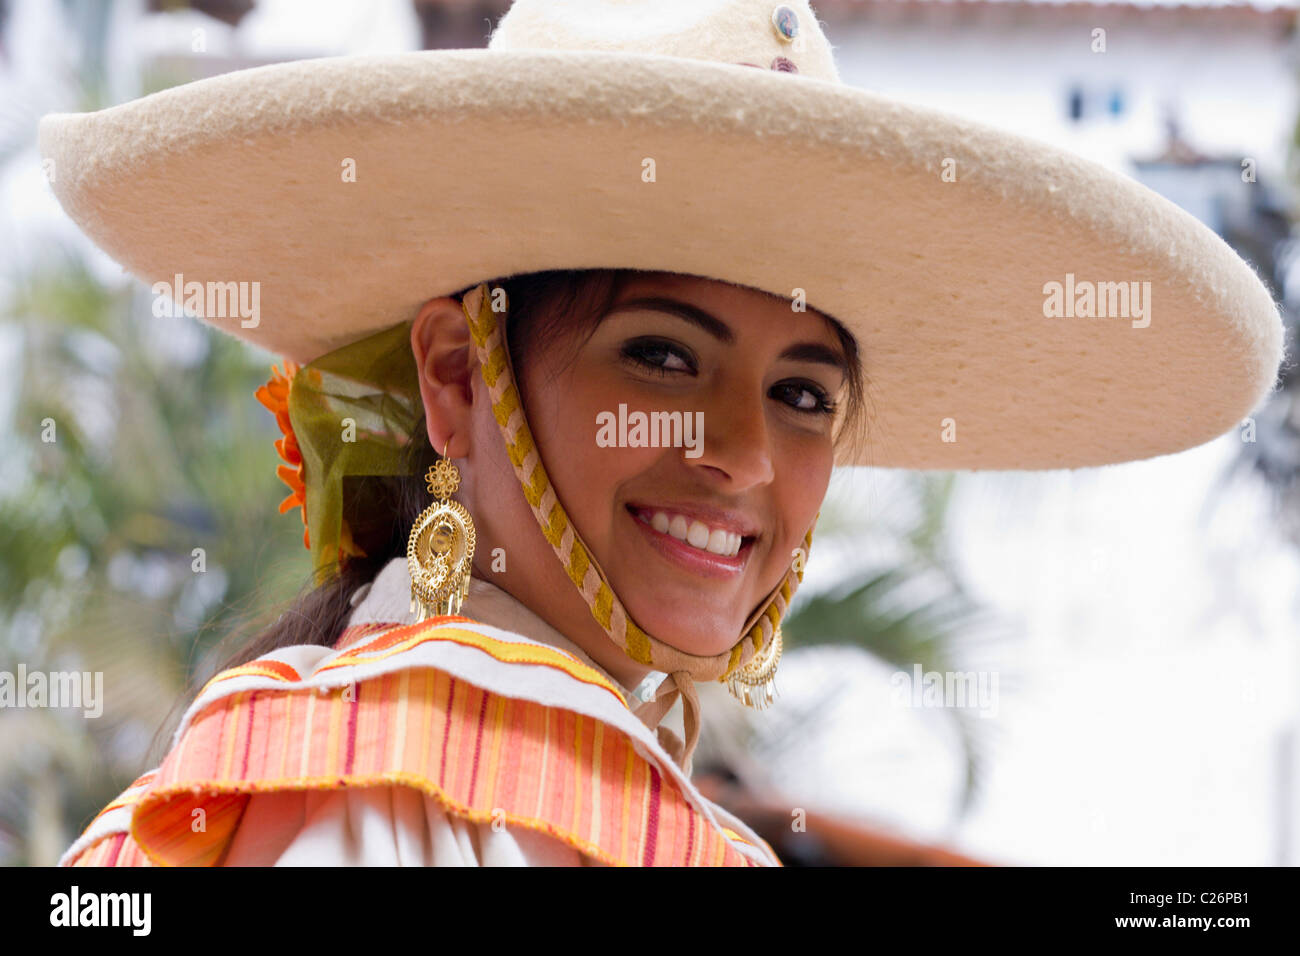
{"points": [[580, 564]]}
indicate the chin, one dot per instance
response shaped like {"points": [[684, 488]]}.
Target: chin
{"points": [[684, 632]]}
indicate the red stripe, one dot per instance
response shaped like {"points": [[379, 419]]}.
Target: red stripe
{"points": [[402, 633], [690, 837], [352, 727], [478, 747], [222, 721], [266, 737], [451, 700], [248, 739], [358, 631], [117, 848], [278, 668], [652, 829]]}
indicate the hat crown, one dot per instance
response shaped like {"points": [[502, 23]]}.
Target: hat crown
{"points": [[785, 37]]}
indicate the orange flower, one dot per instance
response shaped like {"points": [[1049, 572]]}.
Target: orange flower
{"points": [[275, 396]]}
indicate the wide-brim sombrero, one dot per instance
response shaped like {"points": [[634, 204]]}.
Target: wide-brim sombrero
{"points": [[352, 189]]}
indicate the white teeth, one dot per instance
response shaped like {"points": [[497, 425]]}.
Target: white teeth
{"points": [[697, 534]]}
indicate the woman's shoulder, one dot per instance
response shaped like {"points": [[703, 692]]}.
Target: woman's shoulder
{"points": [[107, 840], [494, 728]]}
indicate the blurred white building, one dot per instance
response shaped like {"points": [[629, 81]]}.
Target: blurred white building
{"points": [[1043, 69]]}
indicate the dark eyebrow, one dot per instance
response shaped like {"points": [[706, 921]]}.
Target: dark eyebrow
{"points": [[683, 310], [799, 352]]}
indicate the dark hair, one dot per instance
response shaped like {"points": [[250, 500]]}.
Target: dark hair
{"points": [[543, 307]]}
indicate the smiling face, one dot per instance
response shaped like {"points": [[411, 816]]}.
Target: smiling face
{"points": [[664, 525], [692, 539]]}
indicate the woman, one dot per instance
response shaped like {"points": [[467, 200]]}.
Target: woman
{"points": [[625, 466]]}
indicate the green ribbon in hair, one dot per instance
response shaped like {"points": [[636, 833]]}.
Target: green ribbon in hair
{"points": [[353, 412]]}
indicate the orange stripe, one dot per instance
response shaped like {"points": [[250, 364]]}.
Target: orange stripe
{"points": [[99, 853], [506, 651], [126, 797], [401, 632], [358, 631], [261, 668]]}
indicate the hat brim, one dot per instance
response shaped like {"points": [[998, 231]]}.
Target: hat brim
{"points": [[475, 163]]}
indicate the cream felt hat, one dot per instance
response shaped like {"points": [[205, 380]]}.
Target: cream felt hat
{"points": [[1016, 306]]}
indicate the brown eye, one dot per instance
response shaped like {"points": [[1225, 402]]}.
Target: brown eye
{"points": [[658, 356], [807, 398]]}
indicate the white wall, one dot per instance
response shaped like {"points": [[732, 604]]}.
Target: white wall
{"points": [[1231, 78]]}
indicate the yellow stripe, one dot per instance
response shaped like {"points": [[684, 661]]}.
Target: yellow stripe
{"points": [[554, 530], [578, 564], [502, 650], [399, 733], [506, 406], [536, 485], [494, 753], [496, 364], [430, 684], [517, 451], [233, 734], [604, 605], [638, 644], [734, 661], [578, 790], [534, 495], [597, 748], [521, 446], [736, 836]]}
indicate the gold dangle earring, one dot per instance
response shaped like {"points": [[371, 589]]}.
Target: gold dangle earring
{"points": [[441, 548], [754, 685]]}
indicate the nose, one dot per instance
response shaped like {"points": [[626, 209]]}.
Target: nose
{"points": [[736, 447]]}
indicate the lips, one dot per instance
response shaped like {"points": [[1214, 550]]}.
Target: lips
{"points": [[719, 536], [700, 564]]}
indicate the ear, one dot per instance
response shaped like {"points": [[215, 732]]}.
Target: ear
{"points": [[440, 342]]}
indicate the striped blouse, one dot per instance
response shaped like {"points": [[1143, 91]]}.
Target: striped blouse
{"points": [[483, 741]]}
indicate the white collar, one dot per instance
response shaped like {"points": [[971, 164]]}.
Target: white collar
{"points": [[388, 598]]}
